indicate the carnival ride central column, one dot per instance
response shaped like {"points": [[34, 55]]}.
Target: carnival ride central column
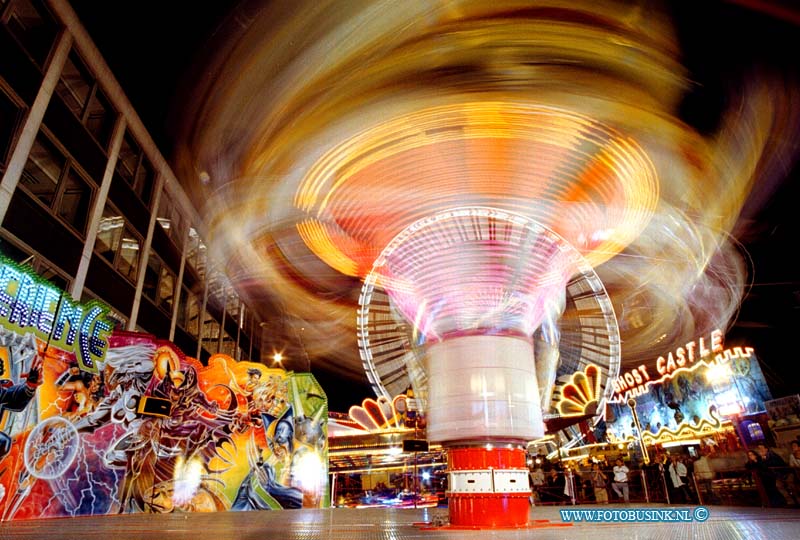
{"points": [[477, 282]]}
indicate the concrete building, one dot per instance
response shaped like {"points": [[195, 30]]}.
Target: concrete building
{"points": [[88, 200]]}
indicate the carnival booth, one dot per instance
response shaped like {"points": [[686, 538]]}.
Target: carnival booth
{"points": [[700, 390]]}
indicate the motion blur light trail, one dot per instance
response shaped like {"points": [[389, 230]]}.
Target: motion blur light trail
{"points": [[329, 127], [587, 183]]}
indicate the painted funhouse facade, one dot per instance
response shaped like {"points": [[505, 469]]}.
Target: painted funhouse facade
{"points": [[96, 421]]}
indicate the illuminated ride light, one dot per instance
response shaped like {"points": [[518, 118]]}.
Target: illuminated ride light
{"points": [[581, 395], [393, 347], [705, 427], [588, 183], [379, 415]]}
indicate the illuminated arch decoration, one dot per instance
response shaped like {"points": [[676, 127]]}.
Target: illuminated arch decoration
{"points": [[381, 414], [582, 394], [685, 430]]}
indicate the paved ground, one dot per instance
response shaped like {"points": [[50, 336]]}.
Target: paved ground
{"points": [[388, 524]]}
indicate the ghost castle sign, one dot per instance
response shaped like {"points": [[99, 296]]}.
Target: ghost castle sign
{"points": [[702, 351], [30, 304]]}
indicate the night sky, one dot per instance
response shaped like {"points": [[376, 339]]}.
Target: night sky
{"points": [[155, 48]]}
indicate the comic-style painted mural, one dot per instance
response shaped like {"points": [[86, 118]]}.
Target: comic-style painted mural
{"points": [[150, 429]]}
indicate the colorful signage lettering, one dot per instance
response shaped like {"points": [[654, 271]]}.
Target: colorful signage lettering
{"points": [[688, 393], [635, 382], [30, 304]]}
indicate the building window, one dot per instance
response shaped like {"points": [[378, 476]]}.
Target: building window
{"points": [[52, 178], [133, 169], [109, 234], [128, 259], [189, 312], [10, 119], [210, 334], [52, 274], [166, 289], [151, 275], [76, 200], [80, 92], [116, 318], [43, 170], [117, 243], [33, 27], [75, 85], [228, 345], [159, 283], [196, 253], [14, 252], [27, 257], [99, 117], [232, 306], [170, 219], [218, 286]]}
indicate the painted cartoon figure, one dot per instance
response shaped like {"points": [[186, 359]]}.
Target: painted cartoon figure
{"points": [[17, 388], [16, 397], [166, 450], [265, 486], [83, 391]]}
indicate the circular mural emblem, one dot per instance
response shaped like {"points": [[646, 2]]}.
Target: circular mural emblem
{"points": [[51, 448]]}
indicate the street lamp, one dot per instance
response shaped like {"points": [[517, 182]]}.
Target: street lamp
{"points": [[645, 455], [277, 358]]}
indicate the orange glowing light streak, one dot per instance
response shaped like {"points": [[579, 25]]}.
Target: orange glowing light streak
{"points": [[401, 187], [377, 415], [318, 234], [344, 116]]}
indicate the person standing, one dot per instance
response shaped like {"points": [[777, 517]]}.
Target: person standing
{"points": [[772, 475], [704, 475], [794, 459], [793, 478], [600, 484], [557, 483], [537, 483], [620, 483], [678, 477], [761, 478]]}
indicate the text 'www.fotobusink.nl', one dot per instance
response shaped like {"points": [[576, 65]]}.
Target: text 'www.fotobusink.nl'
{"points": [[633, 515]]}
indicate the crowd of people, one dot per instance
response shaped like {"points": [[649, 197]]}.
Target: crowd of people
{"points": [[709, 477]]}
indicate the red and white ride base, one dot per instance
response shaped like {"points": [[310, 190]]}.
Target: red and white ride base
{"points": [[488, 487]]}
